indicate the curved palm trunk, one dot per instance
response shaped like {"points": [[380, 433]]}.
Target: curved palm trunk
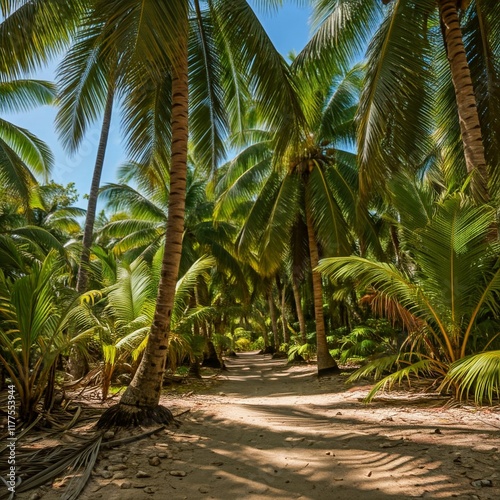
{"points": [[466, 100], [298, 308], [140, 402], [326, 364], [77, 364]]}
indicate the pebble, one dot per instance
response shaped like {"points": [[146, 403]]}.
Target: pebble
{"points": [[149, 490], [481, 482], [203, 489], [117, 467], [120, 475], [178, 473], [106, 474], [163, 454], [35, 496], [142, 474], [154, 461], [126, 485], [109, 435]]}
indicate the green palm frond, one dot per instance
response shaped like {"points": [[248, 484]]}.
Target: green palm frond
{"points": [[420, 367], [478, 375], [32, 33], [186, 284], [329, 221], [396, 88], [83, 77], [31, 150], [133, 289], [206, 93], [120, 197], [342, 29], [271, 82], [24, 95]]}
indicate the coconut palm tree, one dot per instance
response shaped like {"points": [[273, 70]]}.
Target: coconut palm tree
{"points": [[414, 48], [308, 200], [87, 87], [158, 46]]}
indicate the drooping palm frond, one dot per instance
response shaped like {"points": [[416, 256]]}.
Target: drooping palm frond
{"points": [[329, 221], [32, 32], [342, 29], [84, 76], [396, 88], [478, 375], [24, 95], [421, 367]]}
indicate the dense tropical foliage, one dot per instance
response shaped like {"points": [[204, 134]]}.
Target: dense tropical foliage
{"points": [[341, 207]]}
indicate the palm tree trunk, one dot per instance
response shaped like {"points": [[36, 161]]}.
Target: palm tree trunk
{"points": [[82, 278], [326, 364], [140, 402], [272, 313], [284, 323], [298, 308], [466, 100], [77, 364]]}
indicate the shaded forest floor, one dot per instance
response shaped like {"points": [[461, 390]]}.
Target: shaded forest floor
{"points": [[271, 431]]}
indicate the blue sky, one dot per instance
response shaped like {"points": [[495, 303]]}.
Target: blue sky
{"points": [[288, 29]]}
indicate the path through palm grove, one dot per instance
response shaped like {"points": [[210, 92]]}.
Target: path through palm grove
{"points": [[271, 431]]}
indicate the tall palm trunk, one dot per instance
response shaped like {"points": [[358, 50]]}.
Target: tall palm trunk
{"points": [[140, 402], [466, 100], [284, 323], [77, 364], [298, 308], [272, 313], [326, 364], [82, 278]]}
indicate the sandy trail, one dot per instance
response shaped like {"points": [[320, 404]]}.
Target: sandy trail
{"points": [[269, 431]]}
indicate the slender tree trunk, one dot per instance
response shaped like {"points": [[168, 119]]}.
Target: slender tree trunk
{"points": [[298, 308], [140, 402], [284, 323], [326, 364], [272, 312], [82, 278], [77, 364], [466, 100]]}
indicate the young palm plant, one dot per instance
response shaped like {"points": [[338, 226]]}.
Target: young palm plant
{"points": [[36, 312], [125, 321], [449, 289]]}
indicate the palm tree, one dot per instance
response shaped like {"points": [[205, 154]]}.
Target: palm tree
{"points": [[87, 85], [409, 42], [308, 200], [157, 43]]}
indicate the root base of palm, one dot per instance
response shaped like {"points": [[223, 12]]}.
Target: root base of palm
{"points": [[122, 415], [331, 370]]}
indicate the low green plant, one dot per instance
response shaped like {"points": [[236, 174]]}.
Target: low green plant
{"points": [[445, 296], [37, 314]]}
